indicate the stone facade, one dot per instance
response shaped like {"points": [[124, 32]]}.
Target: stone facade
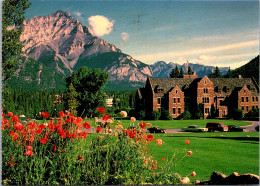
{"points": [[178, 94]]}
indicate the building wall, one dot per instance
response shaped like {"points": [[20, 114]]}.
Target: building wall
{"points": [[176, 102], [247, 100]]}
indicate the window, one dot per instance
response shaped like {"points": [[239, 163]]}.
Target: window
{"points": [[206, 110], [242, 108], [253, 99], [246, 108], [179, 110], [176, 91], [253, 107], [256, 98], [223, 113], [242, 99], [174, 100], [205, 82], [205, 90], [205, 100], [178, 100], [158, 101], [246, 99], [174, 110]]}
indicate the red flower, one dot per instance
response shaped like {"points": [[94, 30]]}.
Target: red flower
{"points": [[54, 147], [101, 110], [142, 125], [61, 113], [38, 131], [3, 126], [189, 153], [51, 127], [99, 129], [31, 125], [18, 127], [31, 138], [163, 158], [11, 133], [29, 147], [62, 133], [149, 137], [45, 115], [43, 140], [187, 141], [86, 125], [80, 158], [75, 136], [28, 153], [106, 117], [41, 126], [15, 119], [9, 114], [24, 133], [15, 136]]}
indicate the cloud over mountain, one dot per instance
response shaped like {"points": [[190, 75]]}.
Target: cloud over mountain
{"points": [[100, 25]]}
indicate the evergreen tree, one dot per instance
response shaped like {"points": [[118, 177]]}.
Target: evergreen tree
{"points": [[175, 72], [12, 15], [217, 73], [189, 71], [71, 99], [181, 73]]}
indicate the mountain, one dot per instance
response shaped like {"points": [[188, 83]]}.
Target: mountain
{"points": [[161, 69], [251, 69], [62, 44]]}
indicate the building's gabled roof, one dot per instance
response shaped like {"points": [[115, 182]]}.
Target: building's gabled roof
{"points": [[186, 84]]}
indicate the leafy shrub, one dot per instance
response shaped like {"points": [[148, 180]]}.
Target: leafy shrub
{"points": [[253, 113], [186, 115], [141, 115], [154, 115], [237, 114], [165, 115]]}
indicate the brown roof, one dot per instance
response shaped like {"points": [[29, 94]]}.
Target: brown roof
{"points": [[186, 84]]}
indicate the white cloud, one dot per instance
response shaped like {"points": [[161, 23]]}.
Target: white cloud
{"points": [[100, 25], [125, 36], [207, 57]]}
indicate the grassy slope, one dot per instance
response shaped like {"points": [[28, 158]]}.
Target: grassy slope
{"points": [[223, 152]]}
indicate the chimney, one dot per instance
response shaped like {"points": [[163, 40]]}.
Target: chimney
{"points": [[194, 73], [239, 76]]}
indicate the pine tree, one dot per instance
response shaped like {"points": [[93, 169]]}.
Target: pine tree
{"points": [[175, 72], [189, 71], [181, 73], [71, 99]]}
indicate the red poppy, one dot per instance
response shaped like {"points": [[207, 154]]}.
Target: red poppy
{"points": [[32, 125], [3, 126], [86, 125], [62, 114], [43, 140], [80, 158], [149, 137], [142, 125], [18, 127], [31, 138], [189, 153], [62, 133], [51, 127], [15, 136], [75, 136], [38, 131], [101, 110], [54, 147], [60, 122], [163, 158], [15, 119], [28, 153], [11, 133], [9, 114], [24, 133], [99, 129], [10, 163], [63, 151], [106, 117], [45, 115], [41, 126], [187, 141], [29, 147]]}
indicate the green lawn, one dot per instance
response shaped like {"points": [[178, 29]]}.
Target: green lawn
{"points": [[223, 152], [177, 124]]}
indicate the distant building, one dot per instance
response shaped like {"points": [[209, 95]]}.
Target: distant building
{"points": [[178, 94]]}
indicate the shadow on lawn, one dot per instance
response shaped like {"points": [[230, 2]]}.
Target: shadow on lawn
{"points": [[222, 137]]}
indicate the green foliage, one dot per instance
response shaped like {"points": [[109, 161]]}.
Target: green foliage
{"points": [[190, 71], [199, 111], [141, 115], [253, 113], [154, 115], [71, 99], [165, 115], [88, 83], [175, 73], [12, 15], [237, 114], [216, 74], [186, 115]]}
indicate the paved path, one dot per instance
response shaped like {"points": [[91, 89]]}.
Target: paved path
{"points": [[251, 128]]}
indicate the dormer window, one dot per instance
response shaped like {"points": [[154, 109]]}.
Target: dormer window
{"points": [[176, 91]]}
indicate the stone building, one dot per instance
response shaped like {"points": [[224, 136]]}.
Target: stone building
{"points": [[178, 94]]}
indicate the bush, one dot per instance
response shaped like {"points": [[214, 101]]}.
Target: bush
{"points": [[253, 113], [154, 115], [165, 115], [237, 114], [186, 115], [141, 115]]}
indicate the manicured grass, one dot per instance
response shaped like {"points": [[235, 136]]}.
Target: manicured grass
{"points": [[223, 152], [178, 124]]}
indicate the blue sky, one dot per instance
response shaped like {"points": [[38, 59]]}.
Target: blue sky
{"points": [[217, 33]]}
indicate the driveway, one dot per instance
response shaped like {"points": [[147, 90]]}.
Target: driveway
{"points": [[250, 128]]}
